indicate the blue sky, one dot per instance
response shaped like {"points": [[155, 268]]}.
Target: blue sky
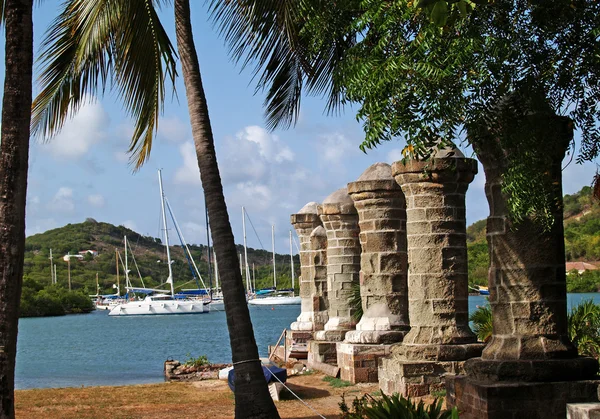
{"points": [[83, 172]]}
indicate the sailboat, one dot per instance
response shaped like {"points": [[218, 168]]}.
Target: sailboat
{"points": [[158, 301], [273, 296]]}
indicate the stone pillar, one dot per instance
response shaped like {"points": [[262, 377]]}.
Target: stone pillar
{"points": [[340, 220], [529, 353], [305, 222], [383, 264], [440, 339]]}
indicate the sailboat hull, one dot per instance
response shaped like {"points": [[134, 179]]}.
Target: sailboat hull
{"points": [[149, 308], [275, 301]]}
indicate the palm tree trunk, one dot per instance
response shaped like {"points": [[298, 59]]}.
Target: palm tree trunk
{"points": [[252, 399], [14, 149]]}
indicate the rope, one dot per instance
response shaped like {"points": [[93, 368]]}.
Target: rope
{"points": [[295, 395], [261, 245], [245, 361]]}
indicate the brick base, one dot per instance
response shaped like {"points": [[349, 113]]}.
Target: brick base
{"points": [[511, 400], [320, 352], [296, 343], [358, 363], [415, 378]]}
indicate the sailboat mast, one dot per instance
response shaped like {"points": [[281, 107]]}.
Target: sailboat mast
{"points": [[117, 263], [273, 242], [127, 284], [164, 217], [248, 279], [292, 260], [216, 272], [208, 258], [51, 269]]}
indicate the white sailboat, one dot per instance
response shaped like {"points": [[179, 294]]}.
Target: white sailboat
{"points": [[159, 302], [274, 297]]}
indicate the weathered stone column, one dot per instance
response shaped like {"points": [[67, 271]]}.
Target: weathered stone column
{"points": [[340, 220], [383, 265], [313, 282], [440, 339], [529, 354], [304, 222], [437, 248]]}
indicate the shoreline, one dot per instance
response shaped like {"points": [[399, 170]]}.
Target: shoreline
{"points": [[190, 399]]}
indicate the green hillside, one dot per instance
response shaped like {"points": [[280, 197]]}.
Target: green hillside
{"points": [[148, 255], [582, 242]]}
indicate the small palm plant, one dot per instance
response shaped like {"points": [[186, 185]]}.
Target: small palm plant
{"points": [[355, 303], [394, 406], [482, 322], [584, 328]]}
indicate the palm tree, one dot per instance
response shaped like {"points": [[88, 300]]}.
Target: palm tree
{"points": [[252, 398], [14, 147], [93, 42]]}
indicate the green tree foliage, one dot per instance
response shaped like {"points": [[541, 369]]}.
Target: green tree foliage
{"points": [[149, 255], [40, 300], [588, 281], [425, 82]]}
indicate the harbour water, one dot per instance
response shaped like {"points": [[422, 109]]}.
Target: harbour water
{"points": [[95, 349]]}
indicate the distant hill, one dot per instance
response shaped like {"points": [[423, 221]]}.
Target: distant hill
{"points": [[582, 235], [149, 256]]}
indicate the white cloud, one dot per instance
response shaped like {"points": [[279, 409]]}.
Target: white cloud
{"points": [[80, 133], [173, 129], [62, 200], [96, 200], [189, 172], [335, 147], [270, 147]]}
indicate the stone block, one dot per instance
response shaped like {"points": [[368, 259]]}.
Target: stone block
{"points": [[583, 411], [321, 353], [359, 363], [500, 400]]}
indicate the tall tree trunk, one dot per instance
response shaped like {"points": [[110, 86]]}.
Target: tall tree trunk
{"points": [[252, 399], [14, 149]]}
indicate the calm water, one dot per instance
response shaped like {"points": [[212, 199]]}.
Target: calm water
{"points": [[95, 349]]}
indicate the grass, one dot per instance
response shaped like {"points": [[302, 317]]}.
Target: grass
{"points": [[438, 394], [336, 382]]}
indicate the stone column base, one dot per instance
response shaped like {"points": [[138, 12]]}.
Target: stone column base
{"points": [[375, 336], [501, 400], [415, 378], [320, 352], [330, 335], [296, 343], [437, 352], [583, 410], [358, 363]]}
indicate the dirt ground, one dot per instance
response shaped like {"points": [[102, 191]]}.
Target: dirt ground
{"points": [[202, 399]]}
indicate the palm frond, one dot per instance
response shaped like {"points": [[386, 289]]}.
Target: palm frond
{"points": [[482, 323], [584, 328], [276, 36], [95, 44]]}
